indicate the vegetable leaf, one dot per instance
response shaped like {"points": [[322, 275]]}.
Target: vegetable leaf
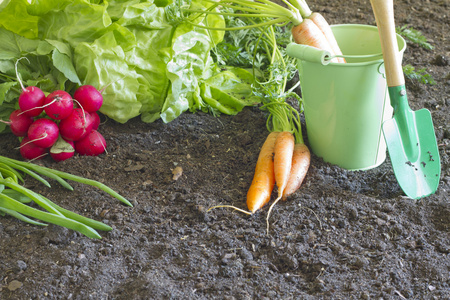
{"points": [[139, 50], [414, 36], [419, 75]]}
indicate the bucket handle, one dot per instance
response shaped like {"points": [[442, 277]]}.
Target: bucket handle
{"points": [[308, 53], [316, 55]]}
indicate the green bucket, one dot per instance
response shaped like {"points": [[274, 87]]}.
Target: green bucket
{"points": [[346, 103]]}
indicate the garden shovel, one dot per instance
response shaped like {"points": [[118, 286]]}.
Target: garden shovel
{"points": [[409, 135]]}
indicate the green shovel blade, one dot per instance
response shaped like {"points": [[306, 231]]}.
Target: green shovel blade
{"points": [[412, 147]]}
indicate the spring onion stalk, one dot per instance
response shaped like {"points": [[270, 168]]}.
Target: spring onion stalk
{"points": [[14, 197], [11, 204], [60, 176]]}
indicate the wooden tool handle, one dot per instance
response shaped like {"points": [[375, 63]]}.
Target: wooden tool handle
{"points": [[384, 15]]}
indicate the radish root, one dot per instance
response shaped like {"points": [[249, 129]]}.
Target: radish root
{"points": [[31, 141]]}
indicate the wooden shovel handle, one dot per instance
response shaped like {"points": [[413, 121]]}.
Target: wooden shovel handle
{"points": [[384, 16]]}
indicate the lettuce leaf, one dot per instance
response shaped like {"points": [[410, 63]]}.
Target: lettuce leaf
{"points": [[48, 65], [150, 64]]}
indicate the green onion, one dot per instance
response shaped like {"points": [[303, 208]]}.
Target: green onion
{"points": [[14, 197]]}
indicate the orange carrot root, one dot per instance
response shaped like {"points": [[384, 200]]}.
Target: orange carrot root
{"points": [[300, 164], [323, 25], [264, 179], [283, 151], [308, 33], [301, 158]]}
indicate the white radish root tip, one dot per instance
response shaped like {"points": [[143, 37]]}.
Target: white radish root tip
{"points": [[38, 157], [38, 107], [30, 141], [82, 109], [101, 141]]}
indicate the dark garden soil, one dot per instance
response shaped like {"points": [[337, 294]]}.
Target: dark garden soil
{"points": [[343, 235]]}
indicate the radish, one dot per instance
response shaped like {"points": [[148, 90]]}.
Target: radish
{"points": [[58, 105], [43, 132], [91, 145], [76, 126], [30, 151], [19, 123], [95, 120], [62, 149], [89, 98], [31, 101]]}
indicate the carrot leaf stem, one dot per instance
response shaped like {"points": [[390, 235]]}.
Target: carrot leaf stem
{"points": [[302, 7], [249, 9]]}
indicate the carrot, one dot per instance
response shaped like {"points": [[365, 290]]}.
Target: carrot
{"points": [[323, 25], [301, 159], [264, 179], [307, 33], [283, 151]]}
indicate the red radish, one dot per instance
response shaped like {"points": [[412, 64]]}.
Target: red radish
{"points": [[89, 98], [31, 101], [58, 105], [76, 126], [19, 123], [62, 149], [91, 145], [95, 120], [43, 132], [30, 151]]}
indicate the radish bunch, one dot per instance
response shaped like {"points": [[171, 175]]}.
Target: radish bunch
{"points": [[58, 124]]}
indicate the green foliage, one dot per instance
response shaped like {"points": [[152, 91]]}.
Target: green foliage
{"points": [[418, 75], [414, 36], [152, 57], [14, 197], [263, 49]]}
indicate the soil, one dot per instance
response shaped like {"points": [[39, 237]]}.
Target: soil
{"points": [[343, 235]]}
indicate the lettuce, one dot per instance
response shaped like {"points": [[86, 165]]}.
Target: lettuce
{"points": [[48, 64], [150, 62]]}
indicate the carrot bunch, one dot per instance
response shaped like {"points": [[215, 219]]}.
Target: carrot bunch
{"points": [[283, 161], [284, 158], [308, 28]]}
